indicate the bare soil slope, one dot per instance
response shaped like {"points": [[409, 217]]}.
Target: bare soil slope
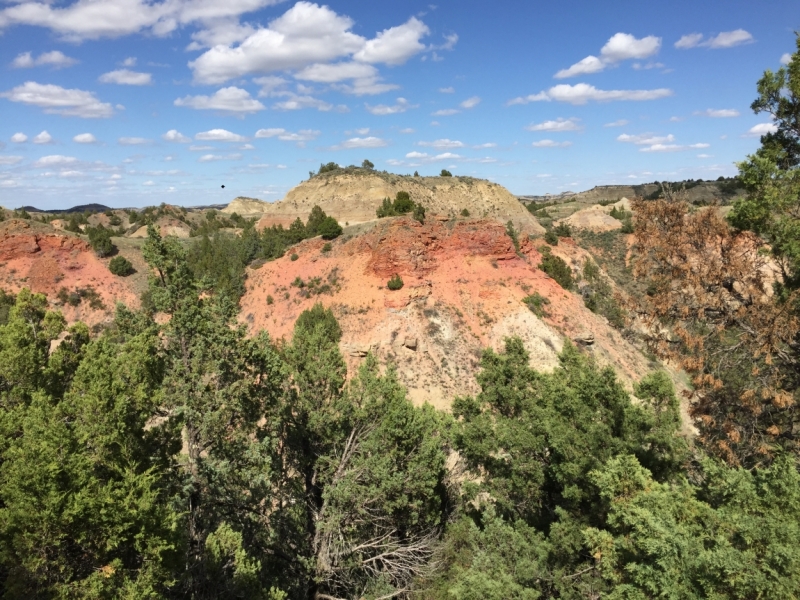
{"points": [[463, 289]]}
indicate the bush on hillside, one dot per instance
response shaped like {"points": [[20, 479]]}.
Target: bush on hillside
{"points": [[445, 173], [551, 238], [100, 240], [558, 270], [120, 266], [395, 283]]}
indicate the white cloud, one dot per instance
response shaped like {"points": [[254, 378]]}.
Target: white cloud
{"points": [[332, 73], [57, 100], [486, 145], [126, 77], [690, 40], [367, 87], [720, 113], [447, 90], [305, 34], [9, 160], [84, 138], [470, 102], [407, 130], [401, 106], [19, 138], [365, 142], [55, 59], [650, 65], [55, 160], [43, 138], [231, 100], [298, 102], [624, 46], [304, 135], [173, 135], [786, 59], [620, 123], [89, 19], [676, 119], [442, 144], [550, 144], [726, 39], [619, 47], [761, 129], [396, 45], [645, 139], [672, 147], [219, 135], [581, 93], [133, 141], [215, 157], [149, 183], [196, 148], [446, 112], [129, 62], [590, 64], [705, 156], [423, 157], [559, 124]]}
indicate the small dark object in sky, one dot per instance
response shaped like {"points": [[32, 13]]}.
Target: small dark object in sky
{"points": [[223, 187]]}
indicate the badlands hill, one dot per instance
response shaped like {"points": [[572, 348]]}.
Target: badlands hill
{"points": [[351, 196]]}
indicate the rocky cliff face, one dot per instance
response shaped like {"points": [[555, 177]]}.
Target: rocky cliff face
{"points": [[353, 198]]}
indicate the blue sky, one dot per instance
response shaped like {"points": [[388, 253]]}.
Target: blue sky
{"points": [[130, 103]]}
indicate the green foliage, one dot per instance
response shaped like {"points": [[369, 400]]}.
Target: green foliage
{"points": [[367, 164], [627, 226], [559, 270], [6, 302], [416, 174], [395, 283], [401, 205], [551, 237], [536, 303], [100, 240], [119, 265], [329, 229], [512, 233], [326, 248], [21, 213], [419, 213], [445, 173], [598, 295], [464, 212], [563, 230], [328, 168], [294, 256]]}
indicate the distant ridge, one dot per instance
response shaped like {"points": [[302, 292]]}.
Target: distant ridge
{"points": [[74, 209]]}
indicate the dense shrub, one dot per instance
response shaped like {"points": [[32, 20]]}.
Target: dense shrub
{"points": [[395, 283], [464, 212], [536, 303], [119, 265], [551, 238], [563, 230], [445, 173], [558, 270], [100, 240]]}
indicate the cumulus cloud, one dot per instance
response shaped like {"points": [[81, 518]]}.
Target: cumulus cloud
{"points": [[54, 160], [720, 113], [396, 45], [442, 144], [424, 157], [726, 39], [621, 46], [304, 135], [84, 138], [133, 141], [43, 138], [57, 100], [219, 135], [559, 124], [470, 102], [645, 139], [9, 160], [129, 62], [407, 130], [333, 73], [761, 129], [361, 142], [550, 144], [126, 77], [672, 147], [89, 19], [55, 59], [19, 138], [299, 102], [446, 112], [619, 123], [582, 93], [786, 59], [232, 100], [401, 106], [173, 135], [216, 157]]}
